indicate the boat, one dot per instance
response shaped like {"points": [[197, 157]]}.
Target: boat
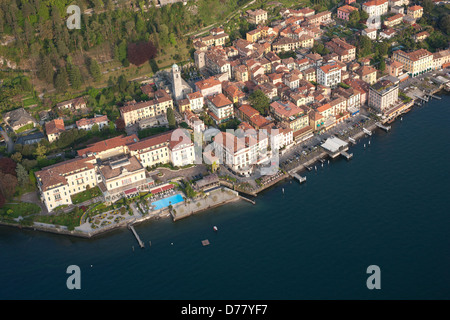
{"points": [[215, 228]]}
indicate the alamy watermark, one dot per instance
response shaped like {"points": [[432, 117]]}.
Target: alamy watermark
{"points": [[74, 20], [374, 281], [74, 280]]}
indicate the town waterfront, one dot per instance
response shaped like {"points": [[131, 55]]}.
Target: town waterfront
{"points": [[388, 206]]}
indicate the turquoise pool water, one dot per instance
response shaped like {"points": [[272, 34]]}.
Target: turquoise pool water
{"points": [[167, 201]]}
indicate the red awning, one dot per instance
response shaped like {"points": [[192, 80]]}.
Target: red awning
{"points": [[127, 192], [161, 189]]}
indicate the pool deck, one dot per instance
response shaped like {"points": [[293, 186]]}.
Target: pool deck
{"points": [[212, 199]]}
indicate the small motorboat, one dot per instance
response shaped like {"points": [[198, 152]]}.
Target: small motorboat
{"points": [[215, 228]]}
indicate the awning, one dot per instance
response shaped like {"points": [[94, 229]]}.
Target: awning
{"points": [[130, 191]]}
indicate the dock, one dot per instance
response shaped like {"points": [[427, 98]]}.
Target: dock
{"points": [[246, 199], [298, 177], [141, 243], [348, 156], [385, 128], [432, 95], [352, 140], [368, 132]]}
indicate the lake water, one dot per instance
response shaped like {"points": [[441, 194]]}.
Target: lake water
{"points": [[388, 206]]}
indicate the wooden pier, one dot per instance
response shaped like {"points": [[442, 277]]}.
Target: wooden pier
{"points": [[141, 243], [385, 128]]}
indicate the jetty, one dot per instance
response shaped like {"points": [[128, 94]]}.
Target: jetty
{"points": [[368, 132], [432, 95], [298, 177], [347, 155], [141, 243], [246, 199], [385, 128]]}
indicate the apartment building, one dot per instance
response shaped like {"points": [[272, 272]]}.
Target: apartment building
{"points": [[257, 16], [132, 112], [384, 93], [220, 108], [345, 11], [367, 74], [415, 12], [329, 75], [208, 87], [394, 20], [345, 51], [58, 182], [241, 153], [415, 62], [196, 101]]}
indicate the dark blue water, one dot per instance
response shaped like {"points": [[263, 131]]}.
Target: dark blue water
{"points": [[388, 206]]}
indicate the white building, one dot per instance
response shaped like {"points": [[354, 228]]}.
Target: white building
{"points": [[241, 153], [329, 75], [87, 124], [196, 100]]}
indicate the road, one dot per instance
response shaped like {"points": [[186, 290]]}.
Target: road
{"points": [[8, 141]]}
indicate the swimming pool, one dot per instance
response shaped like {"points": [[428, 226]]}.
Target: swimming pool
{"points": [[167, 201]]}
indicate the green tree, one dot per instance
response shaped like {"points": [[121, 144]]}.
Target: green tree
{"points": [[17, 157], [22, 175], [171, 118], [61, 80], [259, 101], [45, 69], [74, 76], [94, 70], [40, 152]]}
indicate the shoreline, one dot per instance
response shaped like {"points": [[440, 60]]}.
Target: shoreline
{"points": [[62, 230]]}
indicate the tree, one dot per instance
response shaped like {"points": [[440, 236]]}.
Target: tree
{"points": [[17, 157], [8, 184], [94, 70], [74, 76], [61, 80], [260, 101], [444, 23], [7, 166], [45, 69], [171, 118], [22, 175], [427, 6], [40, 152]]}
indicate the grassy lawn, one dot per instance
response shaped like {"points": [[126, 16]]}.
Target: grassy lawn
{"points": [[25, 128], [86, 195], [14, 210], [70, 219]]}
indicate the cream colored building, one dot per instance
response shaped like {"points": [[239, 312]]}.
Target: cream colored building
{"points": [[367, 74], [415, 12], [57, 183], [134, 111], [257, 16], [415, 62], [441, 58]]}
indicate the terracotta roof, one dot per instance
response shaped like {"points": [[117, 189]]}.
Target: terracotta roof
{"points": [[374, 3], [56, 174], [84, 121], [207, 83], [54, 126], [108, 144], [219, 100]]}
